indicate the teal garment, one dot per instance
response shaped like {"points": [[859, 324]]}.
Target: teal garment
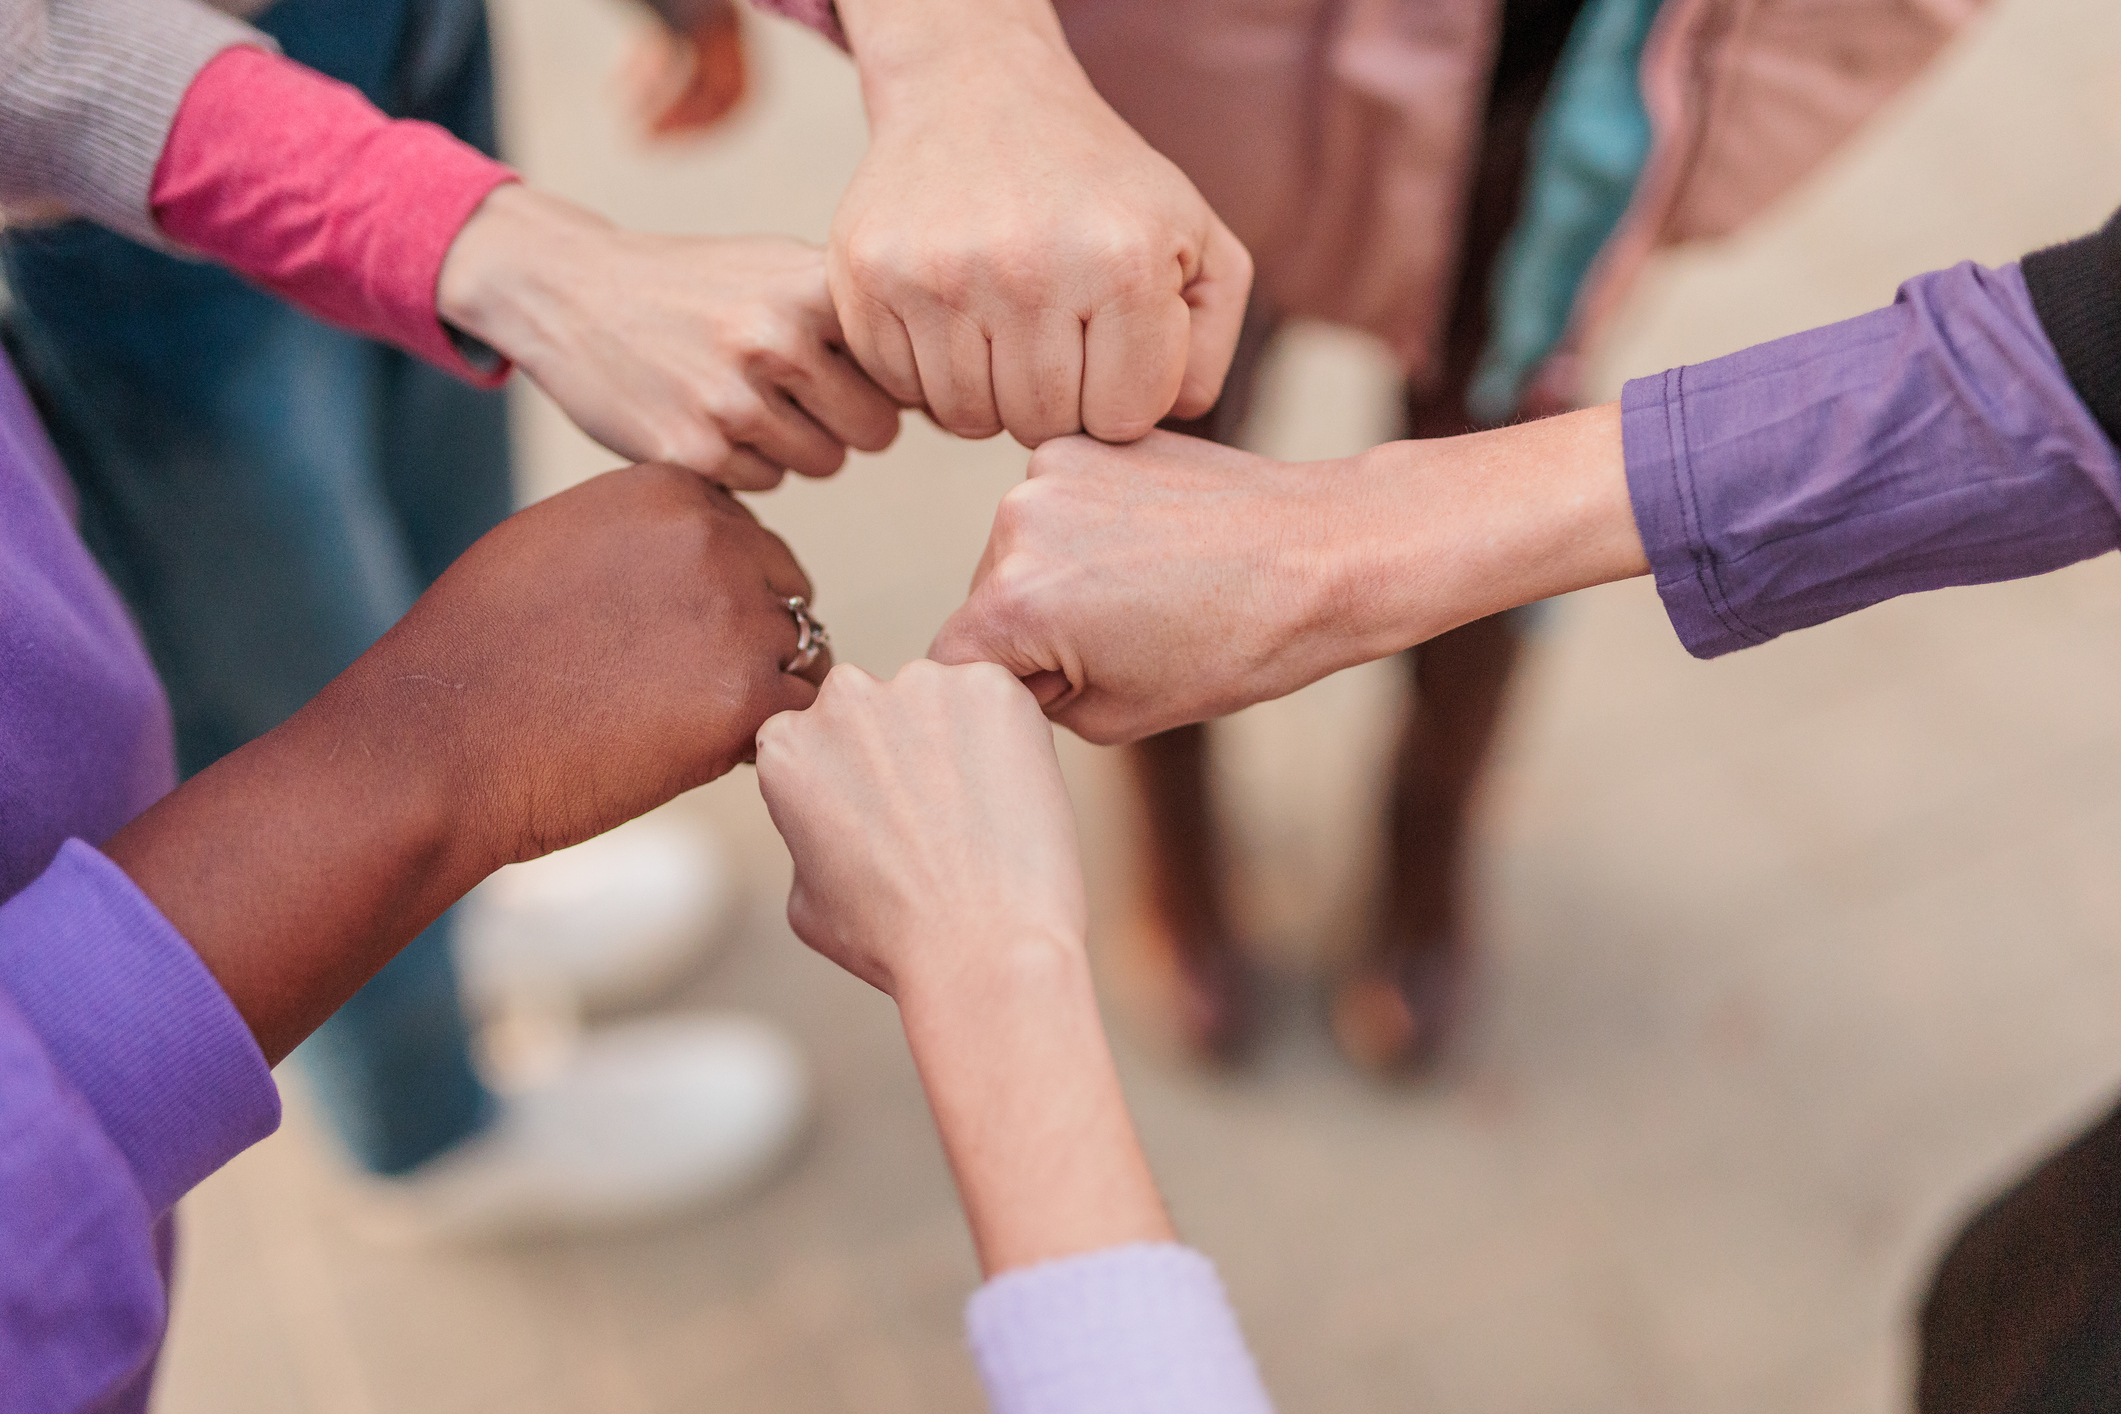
{"points": [[1589, 146]]}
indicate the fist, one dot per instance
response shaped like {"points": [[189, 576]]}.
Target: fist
{"points": [[587, 660], [1011, 255], [928, 824], [1139, 588]]}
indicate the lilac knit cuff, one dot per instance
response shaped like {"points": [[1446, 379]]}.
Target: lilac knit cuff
{"points": [[131, 1016], [1140, 1329]]}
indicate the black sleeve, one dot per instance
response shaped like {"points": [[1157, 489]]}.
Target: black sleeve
{"points": [[2076, 289]]}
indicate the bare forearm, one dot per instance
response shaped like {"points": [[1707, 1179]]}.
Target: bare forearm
{"points": [[1441, 533], [299, 865], [1021, 1080], [903, 41]]}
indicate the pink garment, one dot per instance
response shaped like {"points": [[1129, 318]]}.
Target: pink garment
{"points": [[296, 182], [1337, 137]]}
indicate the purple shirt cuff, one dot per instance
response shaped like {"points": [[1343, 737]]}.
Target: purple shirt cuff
{"points": [[1934, 442], [1141, 1329], [130, 1015]]}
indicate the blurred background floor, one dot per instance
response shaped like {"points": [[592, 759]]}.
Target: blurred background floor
{"points": [[1790, 956]]}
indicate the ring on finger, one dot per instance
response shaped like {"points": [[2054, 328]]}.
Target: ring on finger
{"points": [[811, 639]]}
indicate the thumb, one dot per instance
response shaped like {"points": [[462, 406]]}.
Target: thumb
{"points": [[971, 637], [787, 693], [1048, 686], [1217, 298]]}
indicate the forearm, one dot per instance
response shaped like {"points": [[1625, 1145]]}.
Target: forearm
{"points": [[1425, 536], [1932, 443], [297, 866], [906, 48], [1022, 1084], [513, 277], [298, 183]]}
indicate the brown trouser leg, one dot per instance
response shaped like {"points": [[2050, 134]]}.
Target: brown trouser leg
{"points": [[1460, 678]]}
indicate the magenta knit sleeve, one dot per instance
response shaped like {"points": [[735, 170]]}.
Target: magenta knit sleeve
{"points": [[296, 182]]}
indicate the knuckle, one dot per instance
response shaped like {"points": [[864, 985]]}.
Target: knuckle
{"points": [[1120, 428], [873, 258], [1134, 259], [991, 681], [969, 425]]}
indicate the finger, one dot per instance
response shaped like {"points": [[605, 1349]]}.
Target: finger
{"points": [[745, 470], [812, 672], [1038, 378], [783, 434], [775, 737], [843, 400], [875, 335], [786, 694], [1047, 687], [783, 573], [956, 380], [975, 634], [1134, 357], [1216, 297], [694, 443]]}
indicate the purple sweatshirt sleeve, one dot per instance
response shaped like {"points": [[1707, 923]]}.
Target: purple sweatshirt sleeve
{"points": [[1934, 442], [1141, 1329], [126, 1076]]}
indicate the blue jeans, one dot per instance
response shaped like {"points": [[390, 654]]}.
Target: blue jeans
{"points": [[270, 495]]}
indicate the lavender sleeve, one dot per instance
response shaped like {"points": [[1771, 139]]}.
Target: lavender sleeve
{"points": [[126, 1076], [1140, 1329], [1935, 442]]}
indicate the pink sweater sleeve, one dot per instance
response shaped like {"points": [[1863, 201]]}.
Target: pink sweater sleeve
{"points": [[296, 182], [819, 15]]}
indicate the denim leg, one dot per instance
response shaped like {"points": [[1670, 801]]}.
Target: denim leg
{"points": [[271, 495]]}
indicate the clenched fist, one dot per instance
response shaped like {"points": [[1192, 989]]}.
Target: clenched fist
{"points": [[1010, 254], [1139, 588]]}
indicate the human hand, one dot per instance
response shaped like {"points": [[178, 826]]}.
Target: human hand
{"points": [[722, 355], [930, 829], [592, 657], [585, 661], [1139, 588], [678, 84], [1010, 254], [935, 857]]}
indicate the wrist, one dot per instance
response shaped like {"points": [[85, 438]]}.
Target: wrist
{"points": [[504, 279], [1435, 534], [297, 866], [910, 55], [950, 982], [1020, 1079]]}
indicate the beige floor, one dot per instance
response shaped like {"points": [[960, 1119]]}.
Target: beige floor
{"points": [[1790, 955]]}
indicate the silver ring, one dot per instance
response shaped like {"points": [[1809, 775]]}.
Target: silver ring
{"points": [[811, 639]]}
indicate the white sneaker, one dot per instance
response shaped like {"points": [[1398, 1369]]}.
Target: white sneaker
{"points": [[601, 925], [639, 1122]]}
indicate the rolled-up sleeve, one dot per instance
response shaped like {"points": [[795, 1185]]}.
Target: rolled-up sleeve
{"points": [[126, 1076], [88, 90], [1140, 1329], [1935, 442]]}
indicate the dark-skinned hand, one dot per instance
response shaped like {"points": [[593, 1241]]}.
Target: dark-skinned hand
{"points": [[584, 662]]}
